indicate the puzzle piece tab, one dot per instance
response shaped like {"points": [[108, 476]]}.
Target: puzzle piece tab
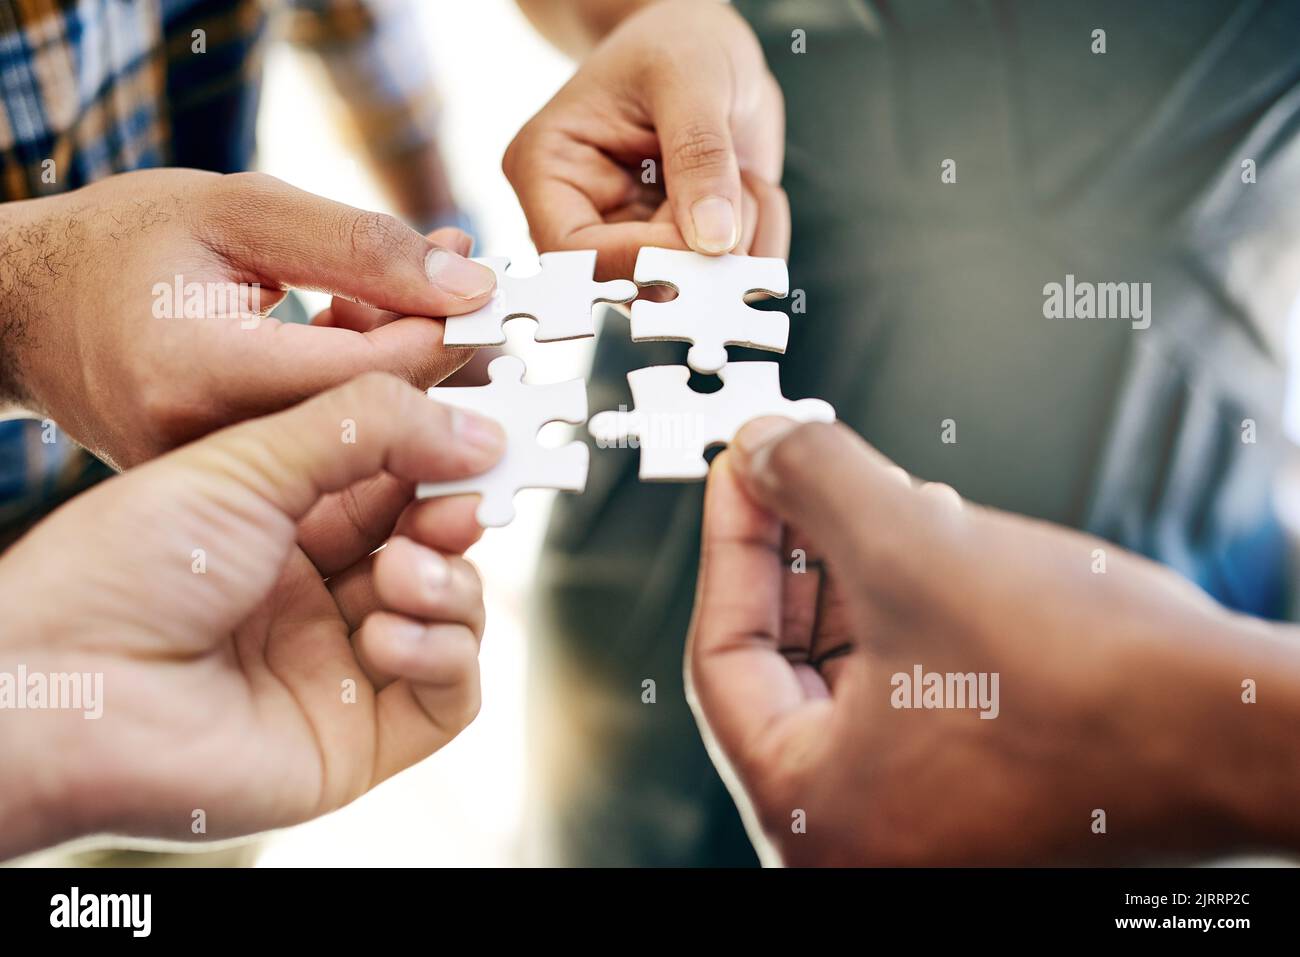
{"points": [[710, 309], [521, 410], [560, 297], [674, 425]]}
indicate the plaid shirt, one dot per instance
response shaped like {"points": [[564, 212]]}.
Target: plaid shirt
{"points": [[90, 88]]}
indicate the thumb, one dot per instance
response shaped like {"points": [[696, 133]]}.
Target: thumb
{"points": [[288, 237], [737, 681], [350, 314], [839, 491], [375, 423], [701, 172]]}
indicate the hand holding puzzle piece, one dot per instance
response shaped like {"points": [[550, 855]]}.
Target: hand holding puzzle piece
{"points": [[674, 424]]}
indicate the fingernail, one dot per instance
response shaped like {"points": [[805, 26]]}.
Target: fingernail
{"points": [[434, 572], [458, 276], [716, 229], [480, 432]]}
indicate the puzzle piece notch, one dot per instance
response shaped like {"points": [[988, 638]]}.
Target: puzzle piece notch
{"points": [[521, 410], [710, 309], [561, 297], [674, 425]]}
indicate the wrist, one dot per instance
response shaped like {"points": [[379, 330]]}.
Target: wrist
{"points": [[1200, 763], [42, 715]]}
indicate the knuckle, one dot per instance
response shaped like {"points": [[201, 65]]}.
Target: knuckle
{"points": [[241, 185], [372, 237], [246, 196], [469, 580], [233, 201], [698, 148], [941, 493], [511, 158]]}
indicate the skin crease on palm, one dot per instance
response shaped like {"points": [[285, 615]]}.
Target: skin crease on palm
{"points": [[227, 687], [1118, 691]]}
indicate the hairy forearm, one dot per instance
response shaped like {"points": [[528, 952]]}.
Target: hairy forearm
{"points": [[577, 26], [42, 247], [15, 313]]}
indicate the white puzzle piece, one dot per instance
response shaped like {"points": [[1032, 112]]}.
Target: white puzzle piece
{"points": [[674, 425], [710, 309], [560, 297], [521, 410]]}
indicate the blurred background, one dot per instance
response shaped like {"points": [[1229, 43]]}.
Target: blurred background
{"points": [[465, 804]]}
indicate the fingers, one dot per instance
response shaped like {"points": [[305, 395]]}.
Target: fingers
{"points": [[563, 185], [444, 524], [827, 482], [344, 527], [285, 236], [398, 648], [418, 581], [415, 720], [266, 365], [701, 172], [422, 651], [349, 314], [447, 524], [449, 237], [771, 235], [374, 423], [738, 682]]}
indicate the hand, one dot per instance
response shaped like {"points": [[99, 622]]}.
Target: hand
{"points": [[259, 663], [97, 338], [1117, 691], [683, 84]]}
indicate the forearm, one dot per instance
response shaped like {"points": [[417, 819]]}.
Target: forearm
{"points": [[15, 313], [577, 26], [1243, 731], [43, 250]]}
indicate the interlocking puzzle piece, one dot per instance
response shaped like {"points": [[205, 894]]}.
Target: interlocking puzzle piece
{"points": [[710, 309], [521, 410], [674, 425], [560, 297]]}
